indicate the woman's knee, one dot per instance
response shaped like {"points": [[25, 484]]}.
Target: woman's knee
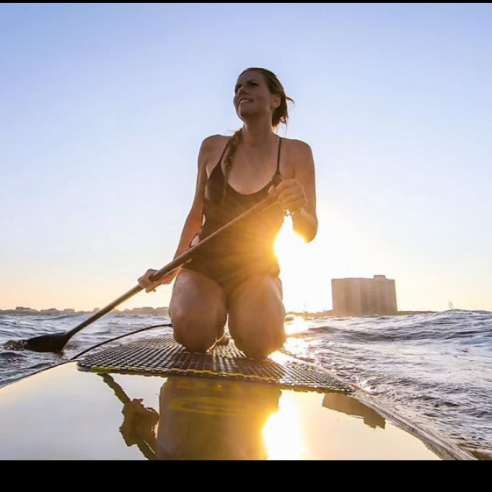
{"points": [[196, 333], [260, 341], [197, 310], [260, 349]]}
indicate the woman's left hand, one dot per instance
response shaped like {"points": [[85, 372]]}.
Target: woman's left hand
{"points": [[290, 195]]}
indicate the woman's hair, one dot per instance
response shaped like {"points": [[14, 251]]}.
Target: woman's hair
{"points": [[280, 115]]}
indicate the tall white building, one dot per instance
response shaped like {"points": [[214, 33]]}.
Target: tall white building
{"points": [[364, 296]]}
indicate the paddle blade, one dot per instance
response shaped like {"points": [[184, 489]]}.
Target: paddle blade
{"points": [[44, 343]]}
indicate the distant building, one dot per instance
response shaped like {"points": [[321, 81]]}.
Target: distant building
{"points": [[364, 296], [26, 309]]}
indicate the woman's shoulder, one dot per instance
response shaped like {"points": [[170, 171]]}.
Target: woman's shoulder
{"points": [[210, 146], [299, 152], [296, 145], [213, 142], [211, 149]]}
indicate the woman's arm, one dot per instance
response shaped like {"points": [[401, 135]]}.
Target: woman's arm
{"points": [[298, 195], [305, 219], [193, 221]]}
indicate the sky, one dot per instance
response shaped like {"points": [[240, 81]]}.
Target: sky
{"points": [[103, 108]]}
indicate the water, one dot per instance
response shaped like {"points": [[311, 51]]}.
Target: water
{"points": [[433, 369], [18, 363]]}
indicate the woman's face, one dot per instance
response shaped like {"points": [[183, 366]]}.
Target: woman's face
{"points": [[252, 96]]}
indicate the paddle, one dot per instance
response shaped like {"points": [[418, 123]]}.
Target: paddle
{"points": [[55, 342]]}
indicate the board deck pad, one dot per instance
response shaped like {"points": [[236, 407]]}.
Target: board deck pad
{"points": [[164, 356]]}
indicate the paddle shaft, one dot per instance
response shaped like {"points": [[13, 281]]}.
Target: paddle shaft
{"points": [[259, 208]]}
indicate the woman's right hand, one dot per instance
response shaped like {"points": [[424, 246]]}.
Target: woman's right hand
{"points": [[150, 286]]}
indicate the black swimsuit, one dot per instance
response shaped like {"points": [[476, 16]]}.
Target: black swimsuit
{"points": [[247, 248]]}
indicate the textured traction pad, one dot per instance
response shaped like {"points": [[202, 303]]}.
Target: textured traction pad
{"points": [[165, 356]]}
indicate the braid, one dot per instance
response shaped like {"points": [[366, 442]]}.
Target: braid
{"points": [[235, 139]]}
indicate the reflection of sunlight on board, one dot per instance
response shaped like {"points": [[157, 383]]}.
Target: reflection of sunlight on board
{"points": [[282, 432]]}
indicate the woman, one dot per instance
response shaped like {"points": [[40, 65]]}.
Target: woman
{"points": [[236, 274]]}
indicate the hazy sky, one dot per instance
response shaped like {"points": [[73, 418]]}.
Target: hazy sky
{"points": [[103, 109]]}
